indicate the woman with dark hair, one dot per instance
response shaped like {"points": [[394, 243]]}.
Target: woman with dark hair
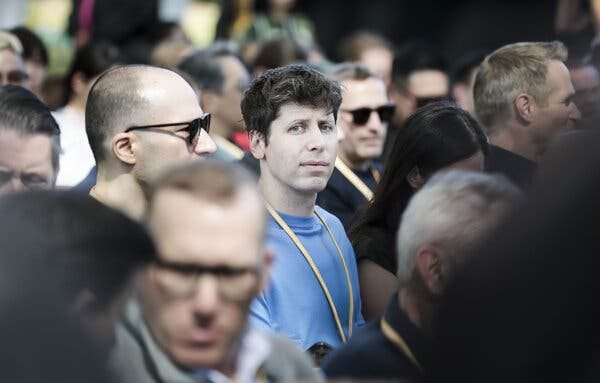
{"points": [[76, 158], [439, 135]]}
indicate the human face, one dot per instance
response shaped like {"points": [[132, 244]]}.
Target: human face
{"points": [[423, 87], [26, 161], [200, 330], [362, 143], [586, 82], [301, 150], [169, 100], [12, 69], [228, 110], [37, 74], [560, 112]]}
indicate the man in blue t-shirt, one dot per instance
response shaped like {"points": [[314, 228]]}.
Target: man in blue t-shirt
{"points": [[313, 296]]}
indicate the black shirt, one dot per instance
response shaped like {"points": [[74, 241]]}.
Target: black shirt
{"points": [[516, 168], [369, 354]]}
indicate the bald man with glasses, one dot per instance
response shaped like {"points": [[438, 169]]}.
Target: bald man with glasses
{"points": [[364, 117], [141, 120]]}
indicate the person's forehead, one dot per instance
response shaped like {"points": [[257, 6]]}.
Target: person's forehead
{"points": [[428, 83], [292, 111], [9, 60], [29, 152], [195, 229], [559, 78], [358, 93]]}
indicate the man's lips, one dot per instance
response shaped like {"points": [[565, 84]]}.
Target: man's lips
{"points": [[202, 337], [315, 163]]}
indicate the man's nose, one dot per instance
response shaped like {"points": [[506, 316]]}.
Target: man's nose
{"points": [[205, 144], [574, 113], [15, 184], [206, 296]]}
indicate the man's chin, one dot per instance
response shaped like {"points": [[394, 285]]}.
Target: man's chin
{"points": [[196, 358]]}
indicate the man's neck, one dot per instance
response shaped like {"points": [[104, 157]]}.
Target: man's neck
{"points": [[286, 200], [354, 164], [512, 140], [122, 192], [77, 104], [418, 308]]}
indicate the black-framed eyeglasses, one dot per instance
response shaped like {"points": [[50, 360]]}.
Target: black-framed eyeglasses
{"points": [[31, 181], [192, 127], [423, 101], [181, 280], [361, 116]]}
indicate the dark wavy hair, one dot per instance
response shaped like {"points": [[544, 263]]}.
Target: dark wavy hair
{"points": [[294, 83], [434, 137]]}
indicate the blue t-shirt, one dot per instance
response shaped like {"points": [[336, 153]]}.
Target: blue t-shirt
{"points": [[294, 303]]}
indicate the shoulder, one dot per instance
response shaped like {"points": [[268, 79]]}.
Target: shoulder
{"points": [[355, 358], [287, 361]]}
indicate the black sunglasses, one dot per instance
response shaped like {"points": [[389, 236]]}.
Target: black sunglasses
{"points": [[193, 127], [361, 116]]}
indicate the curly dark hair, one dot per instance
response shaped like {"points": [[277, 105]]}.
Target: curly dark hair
{"points": [[295, 83]]}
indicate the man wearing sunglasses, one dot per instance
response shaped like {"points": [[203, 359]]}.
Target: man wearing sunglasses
{"points": [[189, 323], [141, 120], [365, 113]]}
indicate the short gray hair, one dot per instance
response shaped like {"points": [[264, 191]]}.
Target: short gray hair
{"points": [[508, 71], [450, 211]]}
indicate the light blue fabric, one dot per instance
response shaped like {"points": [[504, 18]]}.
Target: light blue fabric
{"points": [[294, 304]]}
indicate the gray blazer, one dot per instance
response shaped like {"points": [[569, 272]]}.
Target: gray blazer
{"points": [[138, 359]]}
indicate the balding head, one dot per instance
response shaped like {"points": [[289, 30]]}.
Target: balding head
{"points": [[131, 96]]}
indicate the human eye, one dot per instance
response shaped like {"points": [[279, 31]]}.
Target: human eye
{"points": [[327, 127], [35, 181], [296, 129]]}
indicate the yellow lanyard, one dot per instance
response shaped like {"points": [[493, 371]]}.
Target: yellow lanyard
{"points": [[394, 337], [316, 271], [355, 180]]}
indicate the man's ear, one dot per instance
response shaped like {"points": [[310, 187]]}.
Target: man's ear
{"points": [[525, 107], [257, 144], [122, 146], [414, 178], [429, 265]]}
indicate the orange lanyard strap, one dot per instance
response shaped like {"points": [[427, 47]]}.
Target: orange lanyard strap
{"points": [[394, 337], [355, 180], [316, 271]]}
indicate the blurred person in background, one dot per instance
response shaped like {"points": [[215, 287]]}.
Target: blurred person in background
{"points": [[88, 252], [222, 79], [463, 79], [139, 121], [364, 116], [35, 57], [418, 78], [76, 158], [12, 67], [586, 83], [523, 98], [278, 52], [189, 321], [370, 49], [447, 217], [29, 142], [437, 136]]}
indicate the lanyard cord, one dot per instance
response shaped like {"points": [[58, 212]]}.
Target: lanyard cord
{"points": [[355, 180], [316, 271], [394, 337]]}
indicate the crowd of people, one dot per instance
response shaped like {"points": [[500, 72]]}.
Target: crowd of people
{"points": [[253, 211]]}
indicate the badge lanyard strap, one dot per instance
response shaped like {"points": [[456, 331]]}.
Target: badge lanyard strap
{"points": [[355, 180], [394, 337], [316, 271]]}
